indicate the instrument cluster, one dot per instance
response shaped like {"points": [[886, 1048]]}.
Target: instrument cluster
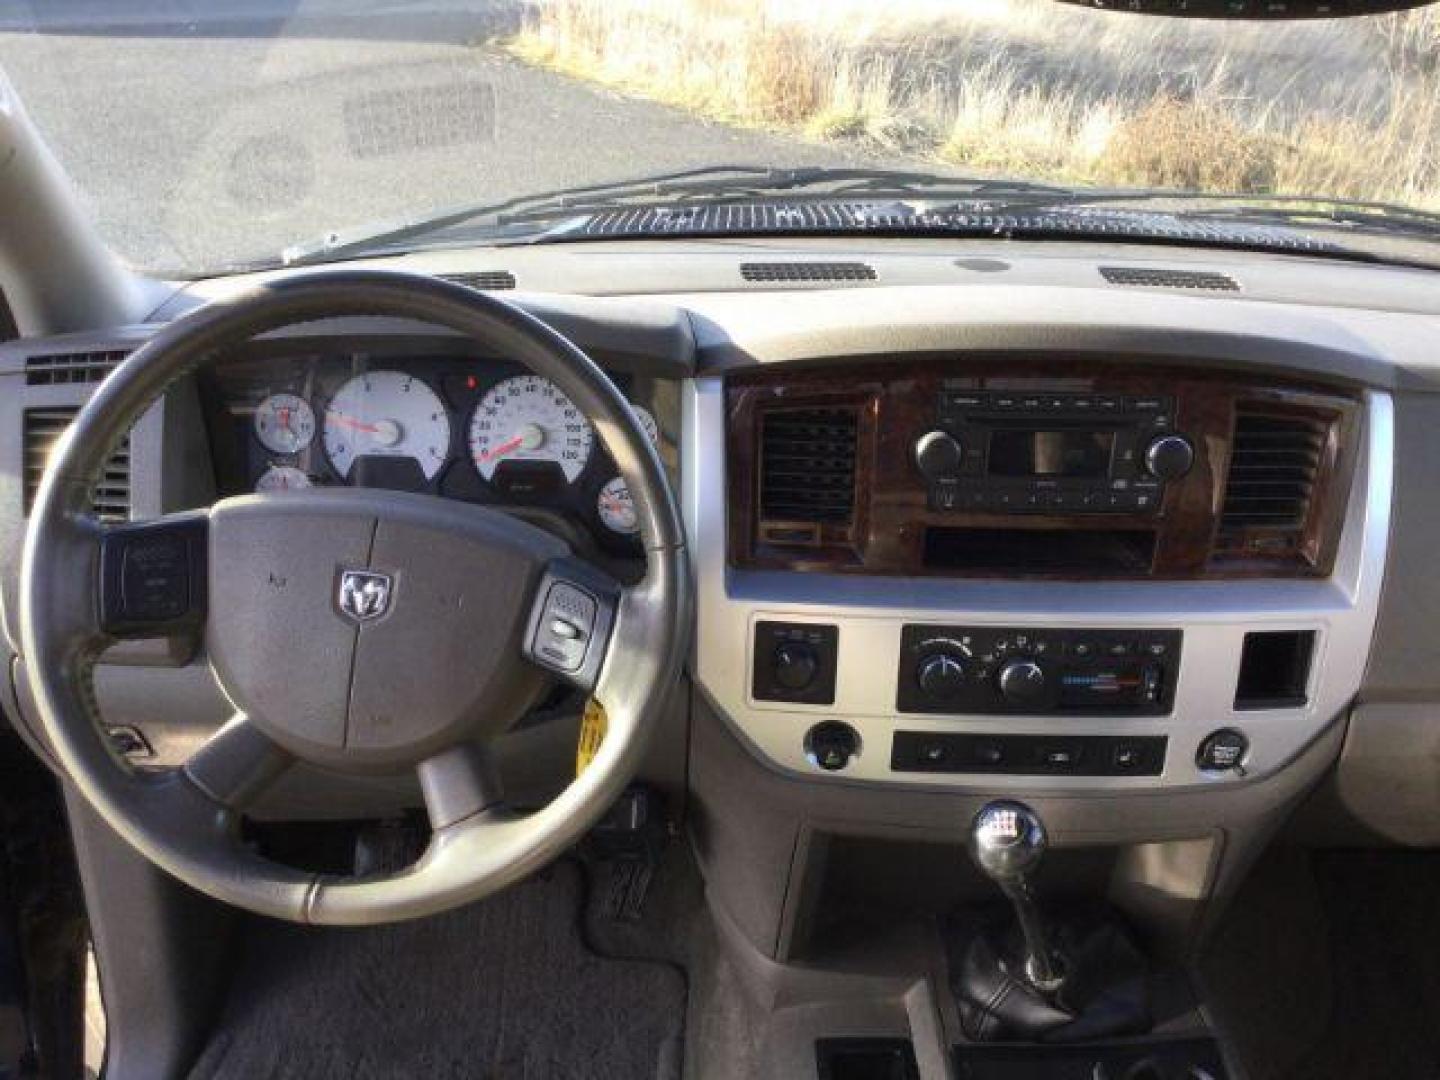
{"points": [[479, 430]]}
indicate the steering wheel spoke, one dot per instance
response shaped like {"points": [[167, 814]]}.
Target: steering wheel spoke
{"points": [[572, 621], [152, 576], [459, 783], [237, 764]]}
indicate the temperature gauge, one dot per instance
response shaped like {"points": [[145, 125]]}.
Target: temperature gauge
{"points": [[284, 423], [616, 510], [282, 478]]}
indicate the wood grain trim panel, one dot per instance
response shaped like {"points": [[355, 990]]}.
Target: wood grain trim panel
{"points": [[897, 403]]}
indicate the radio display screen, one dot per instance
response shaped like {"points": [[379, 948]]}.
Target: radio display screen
{"points": [[1050, 453]]}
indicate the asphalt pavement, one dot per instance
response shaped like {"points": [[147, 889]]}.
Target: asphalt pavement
{"points": [[206, 133]]}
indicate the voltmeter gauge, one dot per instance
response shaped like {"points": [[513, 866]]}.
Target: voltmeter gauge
{"points": [[284, 423], [616, 509]]}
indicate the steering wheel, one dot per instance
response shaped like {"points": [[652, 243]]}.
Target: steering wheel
{"points": [[361, 631]]}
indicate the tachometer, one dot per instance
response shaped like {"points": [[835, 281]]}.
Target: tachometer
{"points": [[388, 414], [284, 423], [528, 418]]}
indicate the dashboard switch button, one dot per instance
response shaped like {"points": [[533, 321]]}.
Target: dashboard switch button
{"points": [[1223, 751]]}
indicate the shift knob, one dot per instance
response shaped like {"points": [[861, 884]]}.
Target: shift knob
{"points": [[1007, 841]]}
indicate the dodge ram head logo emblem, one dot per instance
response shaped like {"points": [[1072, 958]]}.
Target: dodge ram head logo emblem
{"points": [[364, 594]]}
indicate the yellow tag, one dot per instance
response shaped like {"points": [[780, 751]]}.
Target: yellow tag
{"points": [[592, 734]]}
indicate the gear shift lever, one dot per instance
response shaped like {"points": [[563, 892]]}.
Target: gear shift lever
{"points": [[1007, 842]]}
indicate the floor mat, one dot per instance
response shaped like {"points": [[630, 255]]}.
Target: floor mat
{"points": [[1385, 952], [505, 989]]}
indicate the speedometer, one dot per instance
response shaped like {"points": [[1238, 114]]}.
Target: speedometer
{"points": [[529, 418], [387, 414]]}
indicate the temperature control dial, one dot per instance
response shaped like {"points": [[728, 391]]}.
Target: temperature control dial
{"points": [[1023, 682]]}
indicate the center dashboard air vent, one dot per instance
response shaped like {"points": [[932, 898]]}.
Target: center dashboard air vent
{"points": [[806, 471], [1275, 463], [1157, 278], [807, 271], [51, 369], [42, 428]]}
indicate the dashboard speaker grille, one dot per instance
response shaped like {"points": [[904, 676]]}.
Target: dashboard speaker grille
{"points": [[490, 280], [807, 271], [807, 465], [1274, 462], [50, 369], [43, 427], [1168, 279]]}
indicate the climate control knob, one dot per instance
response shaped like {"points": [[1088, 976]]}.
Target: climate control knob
{"points": [[941, 676], [938, 455], [1169, 457], [1022, 682]]}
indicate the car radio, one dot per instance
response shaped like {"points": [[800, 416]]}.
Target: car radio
{"points": [[997, 451]]}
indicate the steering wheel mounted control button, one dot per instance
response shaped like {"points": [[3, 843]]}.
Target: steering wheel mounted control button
{"points": [[795, 662], [1223, 751], [571, 622], [831, 746], [569, 618], [153, 576]]}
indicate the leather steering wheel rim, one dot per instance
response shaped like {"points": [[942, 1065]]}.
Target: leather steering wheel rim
{"points": [[186, 820]]}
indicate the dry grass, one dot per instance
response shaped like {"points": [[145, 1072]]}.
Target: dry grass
{"points": [[1028, 88]]}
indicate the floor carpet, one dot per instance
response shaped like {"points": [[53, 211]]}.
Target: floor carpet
{"points": [[505, 989]]}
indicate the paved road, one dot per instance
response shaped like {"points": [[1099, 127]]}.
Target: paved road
{"points": [[207, 132]]}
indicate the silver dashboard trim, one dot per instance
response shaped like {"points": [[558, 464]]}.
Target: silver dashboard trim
{"points": [[1214, 617]]}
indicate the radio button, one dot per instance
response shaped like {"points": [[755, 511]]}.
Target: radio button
{"points": [[1169, 457], [938, 455]]}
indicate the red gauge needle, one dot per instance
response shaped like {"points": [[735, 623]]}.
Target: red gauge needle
{"points": [[509, 446], [351, 422]]}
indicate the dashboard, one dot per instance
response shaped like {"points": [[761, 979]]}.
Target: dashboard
{"points": [[475, 429]]}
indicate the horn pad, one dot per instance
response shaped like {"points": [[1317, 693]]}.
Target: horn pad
{"points": [[366, 630]]}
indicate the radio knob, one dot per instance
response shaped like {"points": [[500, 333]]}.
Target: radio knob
{"points": [[941, 676], [938, 455], [1022, 682], [1169, 457]]}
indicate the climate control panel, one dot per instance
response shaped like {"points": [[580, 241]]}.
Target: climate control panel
{"points": [[1009, 670]]}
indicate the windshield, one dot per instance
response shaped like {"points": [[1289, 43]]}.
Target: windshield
{"points": [[205, 134]]}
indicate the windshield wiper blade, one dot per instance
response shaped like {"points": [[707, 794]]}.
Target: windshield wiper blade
{"points": [[712, 182]]}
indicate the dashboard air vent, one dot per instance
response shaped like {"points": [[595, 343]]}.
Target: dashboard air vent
{"points": [[1153, 278], [807, 271], [42, 428], [490, 280], [807, 465], [49, 369], [1274, 462]]}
